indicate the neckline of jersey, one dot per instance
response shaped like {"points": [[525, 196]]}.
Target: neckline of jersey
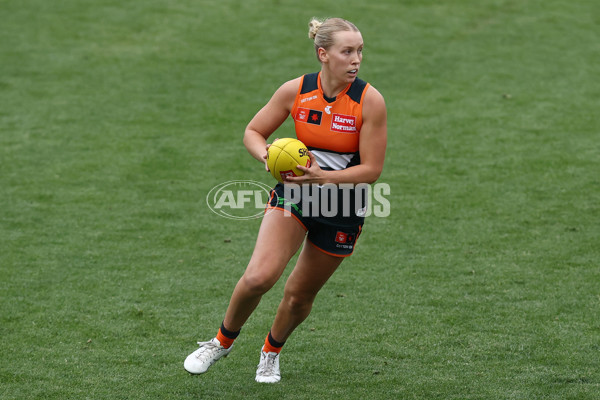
{"points": [[334, 99]]}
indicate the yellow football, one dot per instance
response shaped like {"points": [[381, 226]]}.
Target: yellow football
{"points": [[283, 157]]}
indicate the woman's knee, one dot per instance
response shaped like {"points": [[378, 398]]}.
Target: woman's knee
{"points": [[298, 301], [258, 282]]}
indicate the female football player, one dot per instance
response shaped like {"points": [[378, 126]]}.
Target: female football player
{"points": [[342, 120]]}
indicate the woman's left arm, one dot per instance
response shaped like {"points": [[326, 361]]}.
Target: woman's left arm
{"points": [[372, 144]]}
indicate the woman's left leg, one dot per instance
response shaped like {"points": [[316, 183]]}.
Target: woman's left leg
{"points": [[313, 269]]}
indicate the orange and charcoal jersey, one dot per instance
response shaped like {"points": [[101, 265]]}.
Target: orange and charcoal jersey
{"points": [[330, 128]]}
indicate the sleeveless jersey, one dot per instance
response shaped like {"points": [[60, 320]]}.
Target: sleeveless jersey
{"points": [[330, 129]]}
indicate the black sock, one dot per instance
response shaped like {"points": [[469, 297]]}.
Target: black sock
{"points": [[229, 334], [274, 342]]}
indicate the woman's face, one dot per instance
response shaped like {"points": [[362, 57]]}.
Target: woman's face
{"points": [[345, 56]]}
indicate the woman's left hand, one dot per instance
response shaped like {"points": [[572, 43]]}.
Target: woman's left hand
{"points": [[312, 174]]}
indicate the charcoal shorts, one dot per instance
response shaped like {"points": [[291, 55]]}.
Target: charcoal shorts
{"points": [[335, 236]]}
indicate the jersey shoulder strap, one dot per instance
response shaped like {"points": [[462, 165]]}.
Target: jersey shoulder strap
{"points": [[310, 83], [356, 90]]}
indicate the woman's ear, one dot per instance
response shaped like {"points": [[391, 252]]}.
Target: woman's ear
{"points": [[322, 55]]}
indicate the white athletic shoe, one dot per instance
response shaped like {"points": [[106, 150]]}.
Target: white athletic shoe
{"points": [[268, 368], [209, 353]]}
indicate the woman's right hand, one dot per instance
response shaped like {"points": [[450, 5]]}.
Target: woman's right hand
{"points": [[267, 154], [265, 157]]}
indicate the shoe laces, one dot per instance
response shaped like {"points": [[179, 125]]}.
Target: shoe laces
{"points": [[207, 350], [267, 367]]}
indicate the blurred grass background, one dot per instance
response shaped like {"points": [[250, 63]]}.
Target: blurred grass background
{"points": [[117, 118]]}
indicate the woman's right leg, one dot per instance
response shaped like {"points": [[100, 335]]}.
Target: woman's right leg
{"points": [[279, 238]]}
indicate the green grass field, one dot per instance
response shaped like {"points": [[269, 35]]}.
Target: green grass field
{"points": [[118, 117]]}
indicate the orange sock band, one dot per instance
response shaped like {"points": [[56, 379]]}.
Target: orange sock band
{"points": [[224, 340], [270, 347]]}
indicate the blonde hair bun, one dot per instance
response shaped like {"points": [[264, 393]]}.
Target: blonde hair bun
{"points": [[313, 28], [322, 32]]}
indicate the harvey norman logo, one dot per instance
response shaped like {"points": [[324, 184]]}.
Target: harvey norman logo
{"points": [[343, 123]]}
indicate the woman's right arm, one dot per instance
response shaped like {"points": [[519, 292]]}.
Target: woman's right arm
{"points": [[269, 118]]}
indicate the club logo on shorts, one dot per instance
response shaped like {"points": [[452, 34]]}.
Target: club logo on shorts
{"points": [[343, 238]]}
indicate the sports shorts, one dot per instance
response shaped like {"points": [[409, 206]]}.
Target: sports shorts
{"points": [[335, 236]]}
